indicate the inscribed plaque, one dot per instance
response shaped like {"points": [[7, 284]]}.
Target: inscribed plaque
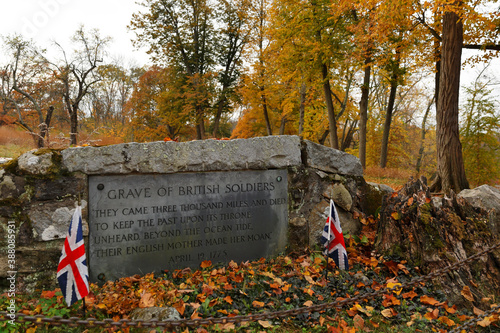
{"points": [[150, 223]]}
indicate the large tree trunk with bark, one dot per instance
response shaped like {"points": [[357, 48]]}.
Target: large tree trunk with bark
{"points": [[451, 171], [433, 233], [332, 123], [388, 121]]}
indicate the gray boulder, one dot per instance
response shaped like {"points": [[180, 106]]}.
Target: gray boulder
{"points": [[488, 198], [155, 313]]}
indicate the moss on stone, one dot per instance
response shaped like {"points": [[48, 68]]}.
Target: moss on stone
{"points": [[431, 231], [10, 166]]}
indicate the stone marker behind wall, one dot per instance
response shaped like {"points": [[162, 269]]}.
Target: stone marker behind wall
{"points": [[149, 223]]}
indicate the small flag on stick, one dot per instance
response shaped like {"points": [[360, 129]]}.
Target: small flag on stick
{"points": [[333, 239], [72, 272]]}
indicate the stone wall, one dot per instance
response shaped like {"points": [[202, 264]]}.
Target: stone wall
{"points": [[38, 191]]}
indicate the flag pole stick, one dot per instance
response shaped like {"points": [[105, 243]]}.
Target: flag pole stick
{"points": [[84, 307], [329, 238]]}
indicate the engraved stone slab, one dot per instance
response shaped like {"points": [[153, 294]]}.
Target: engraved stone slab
{"points": [[150, 223]]}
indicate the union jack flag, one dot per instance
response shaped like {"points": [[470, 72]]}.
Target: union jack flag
{"points": [[72, 271], [333, 239]]}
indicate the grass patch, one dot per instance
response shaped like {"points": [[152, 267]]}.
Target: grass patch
{"points": [[13, 150], [392, 177], [14, 142]]}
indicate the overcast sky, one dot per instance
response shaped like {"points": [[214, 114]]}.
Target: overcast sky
{"points": [[46, 20]]}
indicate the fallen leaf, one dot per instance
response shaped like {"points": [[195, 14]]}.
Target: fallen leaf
{"points": [[477, 312], [147, 301], [308, 303], [352, 312], [227, 326], [309, 279], [450, 309], [195, 315], [257, 304], [180, 306], [265, 323], [48, 294], [228, 299], [375, 285], [195, 305], [395, 216], [359, 322], [390, 300], [467, 294], [308, 291], [205, 264], [485, 322], [447, 321], [397, 291], [428, 300], [403, 268], [392, 266], [388, 313], [368, 311], [432, 315], [410, 294]]}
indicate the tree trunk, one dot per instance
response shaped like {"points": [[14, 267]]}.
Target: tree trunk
{"points": [[283, 125], [266, 114], [422, 137], [73, 124], [388, 117], [347, 138], [44, 127], [323, 136], [451, 171], [200, 125], [332, 123], [433, 233], [220, 106], [363, 112]]}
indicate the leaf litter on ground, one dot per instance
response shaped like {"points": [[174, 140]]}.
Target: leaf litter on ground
{"points": [[282, 283]]}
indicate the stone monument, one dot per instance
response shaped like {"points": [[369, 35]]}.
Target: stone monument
{"points": [[167, 205]]}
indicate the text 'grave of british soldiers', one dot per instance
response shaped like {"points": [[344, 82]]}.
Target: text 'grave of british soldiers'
{"points": [[153, 222]]}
